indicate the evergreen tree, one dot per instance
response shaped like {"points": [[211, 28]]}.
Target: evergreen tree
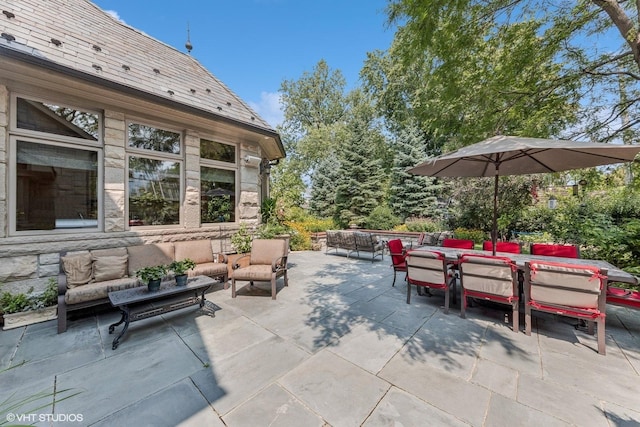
{"points": [[362, 178], [412, 196], [323, 187]]}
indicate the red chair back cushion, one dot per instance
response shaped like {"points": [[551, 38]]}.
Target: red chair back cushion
{"points": [[395, 247], [458, 243], [565, 251], [510, 247]]}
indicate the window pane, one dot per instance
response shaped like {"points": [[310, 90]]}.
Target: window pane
{"points": [[154, 192], [212, 150], [218, 195], [141, 136], [56, 187], [34, 115]]}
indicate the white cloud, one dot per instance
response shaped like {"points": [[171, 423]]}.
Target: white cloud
{"points": [[269, 108], [115, 15]]}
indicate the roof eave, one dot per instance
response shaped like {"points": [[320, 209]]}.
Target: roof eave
{"points": [[111, 85]]}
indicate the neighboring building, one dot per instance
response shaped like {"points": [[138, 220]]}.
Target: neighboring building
{"points": [[109, 137]]}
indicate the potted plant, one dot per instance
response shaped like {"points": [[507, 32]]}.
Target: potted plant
{"points": [[152, 276], [241, 243], [26, 309], [180, 268]]}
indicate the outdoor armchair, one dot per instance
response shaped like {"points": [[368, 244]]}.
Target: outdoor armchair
{"points": [[571, 290], [428, 269], [492, 278], [267, 262]]}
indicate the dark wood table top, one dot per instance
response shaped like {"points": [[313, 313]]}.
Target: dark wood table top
{"points": [[167, 289]]}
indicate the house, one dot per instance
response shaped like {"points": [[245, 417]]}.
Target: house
{"points": [[109, 137]]}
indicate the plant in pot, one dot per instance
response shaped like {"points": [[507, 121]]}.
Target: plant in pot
{"points": [[180, 268], [25, 309], [241, 243], [152, 276]]}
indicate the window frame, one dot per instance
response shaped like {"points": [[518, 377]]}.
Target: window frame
{"points": [[154, 155], [218, 164], [45, 138]]}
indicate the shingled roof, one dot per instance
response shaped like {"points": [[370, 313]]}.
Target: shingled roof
{"points": [[78, 36]]}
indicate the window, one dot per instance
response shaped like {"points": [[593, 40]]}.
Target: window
{"points": [[56, 187], [54, 164], [217, 182], [154, 176]]}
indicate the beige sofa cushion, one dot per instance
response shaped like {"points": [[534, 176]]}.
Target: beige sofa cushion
{"points": [[211, 269], [197, 250], [109, 267], [98, 290], [264, 251], [149, 255], [77, 268]]}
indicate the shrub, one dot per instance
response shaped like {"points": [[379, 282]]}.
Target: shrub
{"points": [[300, 237], [423, 225], [381, 218], [478, 236]]}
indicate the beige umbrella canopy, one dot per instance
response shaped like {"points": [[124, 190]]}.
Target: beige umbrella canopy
{"points": [[513, 155]]}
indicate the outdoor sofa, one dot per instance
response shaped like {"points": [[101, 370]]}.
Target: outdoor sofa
{"points": [[87, 277], [355, 241]]}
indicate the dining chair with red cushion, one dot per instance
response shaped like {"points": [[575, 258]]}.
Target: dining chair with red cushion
{"points": [[429, 269], [509, 247], [457, 243], [398, 254], [571, 290], [492, 278], [549, 249]]}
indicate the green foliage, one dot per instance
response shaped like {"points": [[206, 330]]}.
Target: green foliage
{"points": [[478, 236], [180, 267], [16, 303], [268, 211], [323, 181], [381, 218], [156, 272], [423, 225], [272, 229], [241, 240], [412, 195]]}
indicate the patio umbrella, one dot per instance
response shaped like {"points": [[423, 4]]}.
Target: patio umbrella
{"points": [[513, 155]]}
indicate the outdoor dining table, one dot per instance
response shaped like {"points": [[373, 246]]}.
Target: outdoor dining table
{"points": [[614, 274]]}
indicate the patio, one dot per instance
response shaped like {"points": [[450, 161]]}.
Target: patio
{"points": [[339, 346]]}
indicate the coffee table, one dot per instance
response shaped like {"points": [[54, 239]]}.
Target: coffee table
{"points": [[138, 303]]}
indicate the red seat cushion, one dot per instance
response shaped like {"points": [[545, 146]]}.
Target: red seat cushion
{"points": [[625, 297], [565, 251], [458, 243], [510, 247]]}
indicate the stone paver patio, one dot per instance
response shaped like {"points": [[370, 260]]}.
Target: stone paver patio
{"points": [[339, 347]]}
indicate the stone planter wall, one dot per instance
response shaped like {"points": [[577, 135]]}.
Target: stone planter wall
{"points": [[15, 320]]}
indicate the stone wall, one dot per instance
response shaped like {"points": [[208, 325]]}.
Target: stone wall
{"points": [[30, 260]]}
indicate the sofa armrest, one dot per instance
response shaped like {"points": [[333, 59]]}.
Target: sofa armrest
{"points": [[62, 278], [220, 257]]}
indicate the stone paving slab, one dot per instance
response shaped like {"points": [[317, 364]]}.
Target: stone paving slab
{"points": [[273, 407], [341, 392], [339, 346]]}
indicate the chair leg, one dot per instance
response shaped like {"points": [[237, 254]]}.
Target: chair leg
{"points": [[601, 337], [463, 304], [273, 286], [527, 320], [225, 280], [516, 317], [408, 293], [446, 300], [591, 328], [394, 277], [286, 279], [233, 287]]}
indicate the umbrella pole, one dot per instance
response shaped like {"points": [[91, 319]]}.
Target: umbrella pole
{"points": [[494, 231]]}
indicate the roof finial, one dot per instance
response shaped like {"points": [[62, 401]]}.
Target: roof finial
{"points": [[188, 44]]}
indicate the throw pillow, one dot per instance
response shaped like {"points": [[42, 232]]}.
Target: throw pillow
{"points": [[77, 268], [109, 267]]}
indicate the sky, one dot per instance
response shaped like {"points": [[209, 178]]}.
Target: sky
{"points": [[252, 46]]}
